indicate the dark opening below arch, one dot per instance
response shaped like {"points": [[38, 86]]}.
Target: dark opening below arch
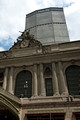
{"points": [[5, 114]]}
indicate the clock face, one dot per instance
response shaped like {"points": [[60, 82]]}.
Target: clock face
{"points": [[25, 43]]}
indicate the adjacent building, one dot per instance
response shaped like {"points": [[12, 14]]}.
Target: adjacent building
{"points": [[40, 73], [48, 25]]}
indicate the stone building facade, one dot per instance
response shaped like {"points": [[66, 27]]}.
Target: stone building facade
{"points": [[40, 82]]}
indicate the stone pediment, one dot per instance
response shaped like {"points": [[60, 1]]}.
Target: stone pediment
{"points": [[26, 40]]}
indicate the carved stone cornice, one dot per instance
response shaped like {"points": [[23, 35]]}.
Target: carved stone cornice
{"points": [[50, 105]]}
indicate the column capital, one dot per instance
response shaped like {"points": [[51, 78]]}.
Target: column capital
{"points": [[35, 67]]}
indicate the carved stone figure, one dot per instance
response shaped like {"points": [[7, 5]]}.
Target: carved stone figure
{"points": [[27, 40], [25, 43], [26, 35]]}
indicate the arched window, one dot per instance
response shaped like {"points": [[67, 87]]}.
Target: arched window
{"points": [[48, 72], [48, 81], [23, 86], [73, 79]]}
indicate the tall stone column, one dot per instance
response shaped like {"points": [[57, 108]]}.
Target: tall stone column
{"points": [[42, 81], [63, 85], [35, 82], [55, 80], [5, 78], [10, 87]]}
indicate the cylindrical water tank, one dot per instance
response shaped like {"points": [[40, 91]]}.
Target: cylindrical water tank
{"points": [[48, 25]]}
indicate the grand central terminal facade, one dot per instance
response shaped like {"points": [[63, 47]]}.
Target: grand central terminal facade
{"points": [[40, 82]]}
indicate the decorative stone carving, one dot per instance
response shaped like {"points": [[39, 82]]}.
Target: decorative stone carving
{"points": [[26, 35], [26, 40], [24, 43], [5, 54], [46, 49]]}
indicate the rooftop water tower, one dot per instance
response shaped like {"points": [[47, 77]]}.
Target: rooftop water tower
{"points": [[48, 25]]}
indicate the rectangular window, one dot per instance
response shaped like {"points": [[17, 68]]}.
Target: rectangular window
{"points": [[49, 87]]}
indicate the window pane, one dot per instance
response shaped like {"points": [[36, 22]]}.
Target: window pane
{"points": [[23, 87], [49, 87], [73, 79]]}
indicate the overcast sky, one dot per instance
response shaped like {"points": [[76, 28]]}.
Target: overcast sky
{"points": [[13, 13]]}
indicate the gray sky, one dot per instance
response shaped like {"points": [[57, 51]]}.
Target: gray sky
{"points": [[13, 13]]}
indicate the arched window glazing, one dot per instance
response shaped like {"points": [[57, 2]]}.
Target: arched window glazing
{"points": [[73, 79], [23, 86]]}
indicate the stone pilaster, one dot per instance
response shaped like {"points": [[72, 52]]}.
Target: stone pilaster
{"points": [[35, 82], [5, 78], [55, 80], [63, 85], [42, 84], [10, 87], [68, 115]]}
